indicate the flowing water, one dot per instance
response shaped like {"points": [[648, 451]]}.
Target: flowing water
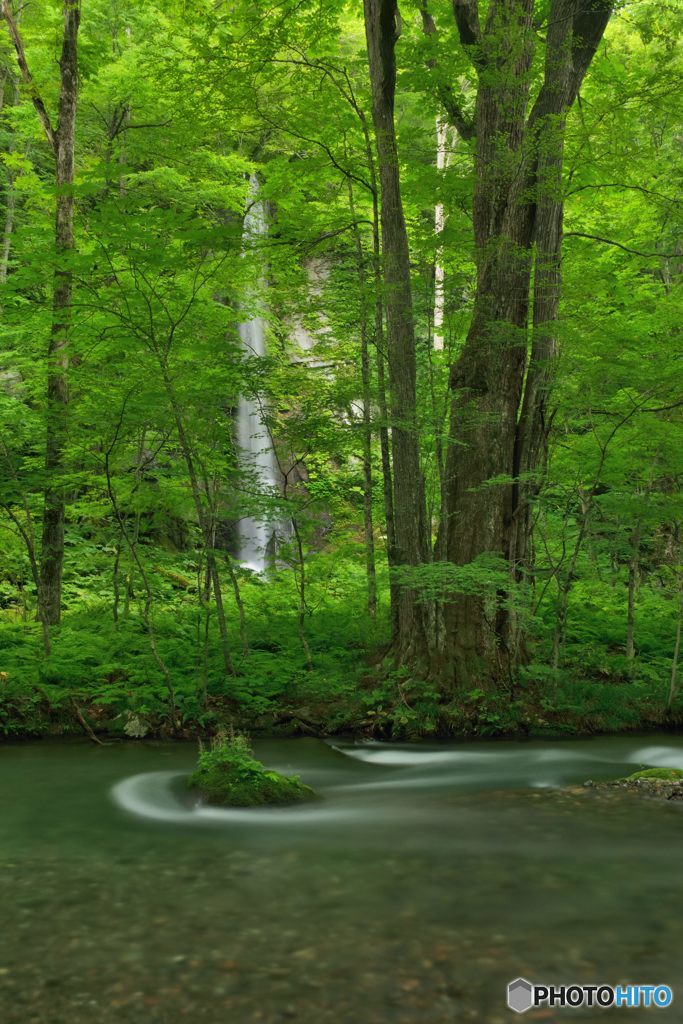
{"points": [[425, 879], [257, 456]]}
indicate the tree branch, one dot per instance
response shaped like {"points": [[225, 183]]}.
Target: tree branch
{"points": [[466, 14], [449, 101], [40, 107], [151, 124], [634, 188], [634, 252], [589, 24]]}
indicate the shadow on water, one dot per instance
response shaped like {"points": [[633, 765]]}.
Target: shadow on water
{"points": [[424, 880]]}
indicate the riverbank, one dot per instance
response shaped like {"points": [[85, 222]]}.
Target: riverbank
{"points": [[46, 711], [107, 683]]}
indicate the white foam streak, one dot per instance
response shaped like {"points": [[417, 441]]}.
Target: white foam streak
{"points": [[150, 796], [412, 758], [658, 757]]}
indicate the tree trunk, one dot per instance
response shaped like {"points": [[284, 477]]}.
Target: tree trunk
{"points": [[379, 343], [499, 405], [368, 528], [384, 438], [673, 679], [52, 546], [486, 381], [412, 646], [204, 516], [633, 580], [62, 143], [10, 196]]}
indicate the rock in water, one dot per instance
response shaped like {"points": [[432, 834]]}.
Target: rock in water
{"points": [[229, 775]]}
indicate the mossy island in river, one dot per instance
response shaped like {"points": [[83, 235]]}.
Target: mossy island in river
{"points": [[229, 775], [656, 783]]}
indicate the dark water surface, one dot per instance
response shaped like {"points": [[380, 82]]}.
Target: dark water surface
{"points": [[426, 879]]}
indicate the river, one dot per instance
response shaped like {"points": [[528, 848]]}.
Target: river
{"points": [[425, 879]]}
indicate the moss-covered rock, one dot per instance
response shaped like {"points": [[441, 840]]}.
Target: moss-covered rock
{"points": [[668, 774], [229, 775], [655, 783]]}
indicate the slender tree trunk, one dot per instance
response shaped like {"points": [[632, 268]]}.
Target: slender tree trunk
{"points": [[674, 686], [412, 646], [116, 580], [384, 437], [8, 228], [301, 588], [368, 528], [52, 545], [379, 343], [299, 572], [633, 581], [10, 193], [10, 205], [62, 142], [244, 639], [149, 597], [565, 580], [203, 520]]}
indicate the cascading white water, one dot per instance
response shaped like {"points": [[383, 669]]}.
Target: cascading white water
{"points": [[257, 457]]}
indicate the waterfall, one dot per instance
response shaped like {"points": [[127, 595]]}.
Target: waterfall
{"points": [[446, 140], [256, 453]]}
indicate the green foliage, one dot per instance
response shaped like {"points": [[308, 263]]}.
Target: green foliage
{"points": [[179, 105], [109, 669], [484, 577], [228, 775]]}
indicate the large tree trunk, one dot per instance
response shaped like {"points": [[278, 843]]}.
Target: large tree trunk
{"points": [[486, 381], [382, 26], [499, 404]]}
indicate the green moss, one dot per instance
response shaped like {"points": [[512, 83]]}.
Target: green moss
{"points": [[668, 774], [229, 775]]}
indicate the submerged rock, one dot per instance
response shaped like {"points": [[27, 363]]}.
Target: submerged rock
{"points": [[229, 775], [656, 783]]}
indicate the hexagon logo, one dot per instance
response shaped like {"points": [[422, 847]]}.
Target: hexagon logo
{"points": [[520, 995]]}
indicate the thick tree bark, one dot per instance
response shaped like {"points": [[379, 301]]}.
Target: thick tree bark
{"points": [[382, 26], [62, 142], [486, 381], [499, 416]]}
